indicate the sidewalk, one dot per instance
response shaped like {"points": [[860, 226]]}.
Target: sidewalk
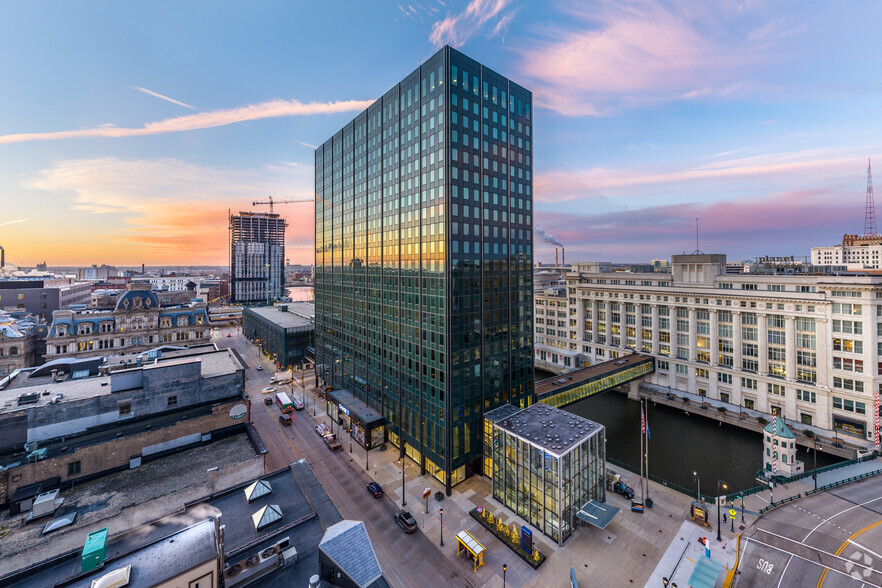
{"points": [[679, 561], [625, 553]]}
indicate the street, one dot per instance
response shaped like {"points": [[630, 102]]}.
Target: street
{"points": [[406, 559]]}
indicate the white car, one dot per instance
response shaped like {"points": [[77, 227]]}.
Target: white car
{"points": [[259, 368]]}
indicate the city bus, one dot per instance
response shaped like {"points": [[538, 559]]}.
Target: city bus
{"points": [[284, 402]]}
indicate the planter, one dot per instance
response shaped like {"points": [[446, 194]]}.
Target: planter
{"points": [[515, 547]]}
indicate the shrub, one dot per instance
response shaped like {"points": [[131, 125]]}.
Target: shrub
{"points": [[761, 420], [721, 408], [808, 433]]}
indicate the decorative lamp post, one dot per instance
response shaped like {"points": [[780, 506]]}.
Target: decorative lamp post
{"points": [[698, 485], [742, 508], [722, 484], [442, 527], [504, 568], [403, 496]]}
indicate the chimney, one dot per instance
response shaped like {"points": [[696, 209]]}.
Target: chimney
{"points": [[555, 257], [563, 256]]}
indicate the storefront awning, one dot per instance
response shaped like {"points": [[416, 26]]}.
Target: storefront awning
{"points": [[597, 513]]}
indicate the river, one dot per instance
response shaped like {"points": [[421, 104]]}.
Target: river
{"points": [[681, 443]]}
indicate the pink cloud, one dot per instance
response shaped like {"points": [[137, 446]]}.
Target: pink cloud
{"points": [[788, 223], [456, 29], [203, 120], [622, 52]]}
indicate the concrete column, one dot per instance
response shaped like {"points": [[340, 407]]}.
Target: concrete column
{"points": [[655, 329], [714, 338], [823, 408], [693, 334], [594, 321], [762, 328], [790, 349], [736, 340]]}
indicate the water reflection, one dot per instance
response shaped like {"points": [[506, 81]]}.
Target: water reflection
{"points": [[682, 443]]}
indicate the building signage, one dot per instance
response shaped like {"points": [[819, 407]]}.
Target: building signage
{"points": [[344, 410], [239, 411]]}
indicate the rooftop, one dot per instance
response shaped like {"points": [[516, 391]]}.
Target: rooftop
{"points": [[552, 429], [39, 381], [147, 547], [296, 314]]}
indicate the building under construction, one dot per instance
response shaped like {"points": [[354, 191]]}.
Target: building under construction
{"points": [[257, 258]]}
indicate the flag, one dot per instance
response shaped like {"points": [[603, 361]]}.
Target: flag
{"points": [[643, 428]]}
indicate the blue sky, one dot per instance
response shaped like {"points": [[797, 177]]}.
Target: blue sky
{"points": [[129, 129]]}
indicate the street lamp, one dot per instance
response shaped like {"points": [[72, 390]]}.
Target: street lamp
{"points": [[350, 438], [742, 507], [504, 567], [403, 496], [719, 507], [815, 471], [698, 487], [442, 527]]}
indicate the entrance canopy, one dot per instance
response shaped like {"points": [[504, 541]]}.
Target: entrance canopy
{"points": [[597, 513], [705, 573]]}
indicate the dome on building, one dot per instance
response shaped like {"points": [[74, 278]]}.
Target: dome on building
{"points": [[783, 431], [137, 299]]}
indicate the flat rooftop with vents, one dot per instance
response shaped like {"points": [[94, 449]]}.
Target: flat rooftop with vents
{"points": [[561, 455]]}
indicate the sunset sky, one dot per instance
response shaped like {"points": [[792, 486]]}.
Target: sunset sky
{"points": [[127, 130]]}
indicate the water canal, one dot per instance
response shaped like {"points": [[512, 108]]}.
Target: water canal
{"points": [[682, 443]]}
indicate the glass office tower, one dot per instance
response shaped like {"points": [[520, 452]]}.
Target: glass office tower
{"points": [[423, 279]]}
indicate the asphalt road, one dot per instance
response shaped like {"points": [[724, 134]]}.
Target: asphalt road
{"points": [[832, 539], [406, 559]]}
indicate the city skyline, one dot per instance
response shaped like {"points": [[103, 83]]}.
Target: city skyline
{"points": [[129, 135]]}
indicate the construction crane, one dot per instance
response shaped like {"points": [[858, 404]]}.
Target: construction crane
{"points": [[271, 202]]}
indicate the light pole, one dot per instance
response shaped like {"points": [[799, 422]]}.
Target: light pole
{"points": [[742, 508], [815, 470], [698, 487], [403, 496], [350, 438], [719, 507], [504, 567], [442, 527]]}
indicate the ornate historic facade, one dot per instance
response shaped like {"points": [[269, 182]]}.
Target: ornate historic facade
{"points": [[137, 323]]}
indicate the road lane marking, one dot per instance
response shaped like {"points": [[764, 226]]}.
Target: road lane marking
{"points": [[813, 562], [282, 431], [839, 513], [847, 541], [868, 550], [781, 579]]}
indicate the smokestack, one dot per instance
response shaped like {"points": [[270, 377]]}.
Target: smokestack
{"points": [[142, 269], [563, 256], [555, 257], [2, 257]]}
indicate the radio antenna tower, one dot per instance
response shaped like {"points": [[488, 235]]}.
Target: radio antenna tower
{"points": [[870, 215]]}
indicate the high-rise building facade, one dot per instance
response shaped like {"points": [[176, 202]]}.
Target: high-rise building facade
{"points": [[257, 258], [804, 347], [423, 284]]}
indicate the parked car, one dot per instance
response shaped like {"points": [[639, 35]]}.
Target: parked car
{"points": [[621, 488], [298, 404], [268, 389], [259, 368], [268, 401], [285, 420], [228, 335], [375, 489], [406, 521], [322, 429], [334, 445]]}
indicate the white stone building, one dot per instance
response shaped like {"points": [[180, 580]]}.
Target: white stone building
{"points": [[804, 346], [856, 252]]}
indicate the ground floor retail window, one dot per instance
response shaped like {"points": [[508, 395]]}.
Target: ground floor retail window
{"points": [[724, 397], [748, 403]]}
